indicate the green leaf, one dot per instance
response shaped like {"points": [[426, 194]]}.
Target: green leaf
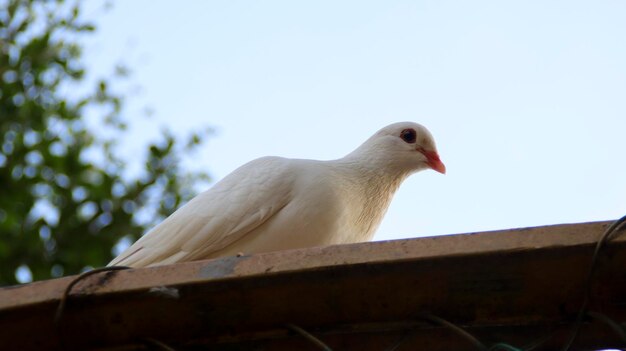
{"points": [[69, 208]]}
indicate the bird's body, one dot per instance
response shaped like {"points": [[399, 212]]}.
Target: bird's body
{"points": [[274, 203]]}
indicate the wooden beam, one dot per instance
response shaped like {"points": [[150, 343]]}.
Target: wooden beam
{"points": [[512, 286]]}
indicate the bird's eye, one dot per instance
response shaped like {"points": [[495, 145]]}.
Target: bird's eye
{"points": [[408, 135]]}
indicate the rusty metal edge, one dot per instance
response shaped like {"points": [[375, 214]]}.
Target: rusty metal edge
{"points": [[499, 241]]}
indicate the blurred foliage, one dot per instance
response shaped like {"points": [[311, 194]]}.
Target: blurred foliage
{"points": [[65, 200]]}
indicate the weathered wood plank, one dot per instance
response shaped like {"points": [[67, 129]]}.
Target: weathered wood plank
{"points": [[513, 286]]}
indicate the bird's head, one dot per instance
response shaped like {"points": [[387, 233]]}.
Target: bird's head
{"points": [[406, 145]]}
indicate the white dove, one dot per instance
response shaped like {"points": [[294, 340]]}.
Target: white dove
{"points": [[275, 203]]}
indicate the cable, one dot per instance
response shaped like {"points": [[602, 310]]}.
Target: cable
{"points": [[611, 323], [469, 337], [401, 340], [503, 346], [63, 301], [614, 227], [66, 293], [160, 345], [317, 342], [539, 342]]}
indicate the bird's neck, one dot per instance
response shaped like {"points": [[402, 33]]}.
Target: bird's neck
{"points": [[377, 164], [373, 188]]}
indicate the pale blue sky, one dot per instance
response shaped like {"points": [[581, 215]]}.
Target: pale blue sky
{"points": [[526, 99]]}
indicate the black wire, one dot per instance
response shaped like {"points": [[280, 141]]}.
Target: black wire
{"points": [[611, 323], [401, 340], [539, 342], [63, 301], [160, 345], [505, 347], [614, 227], [317, 342], [469, 337], [66, 293]]}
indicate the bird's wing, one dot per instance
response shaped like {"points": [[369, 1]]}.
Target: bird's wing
{"points": [[211, 221]]}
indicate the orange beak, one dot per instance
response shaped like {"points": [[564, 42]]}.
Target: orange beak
{"points": [[433, 161]]}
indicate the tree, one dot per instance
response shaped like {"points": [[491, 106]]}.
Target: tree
{"points": [[60, 209]]}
